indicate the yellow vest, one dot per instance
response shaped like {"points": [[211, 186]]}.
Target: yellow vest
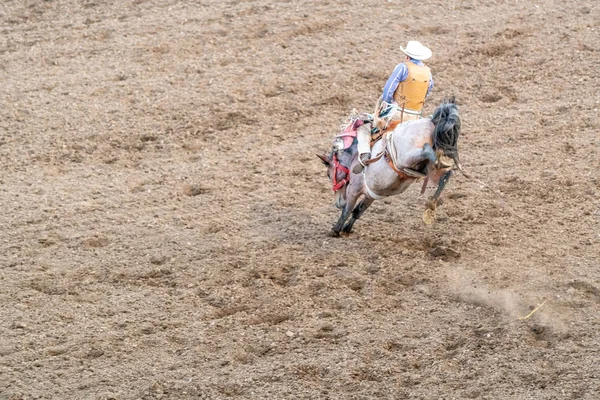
{"points": [[412, 91]]}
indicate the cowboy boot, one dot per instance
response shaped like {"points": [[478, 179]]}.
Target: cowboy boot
{"points": [[362, 159]]}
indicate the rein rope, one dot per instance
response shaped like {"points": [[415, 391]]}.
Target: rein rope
{"points": [[491, 189]]}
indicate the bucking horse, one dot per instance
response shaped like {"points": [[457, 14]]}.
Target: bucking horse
{"points": [[424, 149]]}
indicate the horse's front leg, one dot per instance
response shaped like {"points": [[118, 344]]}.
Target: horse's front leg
{"points": [[358, 212], [337, 228]]}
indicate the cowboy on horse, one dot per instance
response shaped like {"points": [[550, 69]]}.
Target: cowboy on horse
{"points": [[403, 98], [411, 148]]}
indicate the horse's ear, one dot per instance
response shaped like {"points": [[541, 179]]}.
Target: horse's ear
{"points": [[326, 160]]}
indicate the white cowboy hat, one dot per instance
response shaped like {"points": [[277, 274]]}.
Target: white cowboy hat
{"points": [[416, 50]]}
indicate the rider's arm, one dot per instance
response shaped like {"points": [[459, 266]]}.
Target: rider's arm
{"points": [[431, 84], [400, 73]]}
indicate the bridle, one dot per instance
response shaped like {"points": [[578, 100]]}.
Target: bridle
{"points": [[337, 185]]}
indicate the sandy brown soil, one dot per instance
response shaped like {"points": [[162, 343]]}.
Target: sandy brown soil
{"points": [[163, 233]]}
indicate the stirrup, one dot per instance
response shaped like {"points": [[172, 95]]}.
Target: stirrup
{"points": [[366, 156], [358, 168]]}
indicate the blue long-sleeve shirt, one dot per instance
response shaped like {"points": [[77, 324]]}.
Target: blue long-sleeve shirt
{"points": [[400, 74]]}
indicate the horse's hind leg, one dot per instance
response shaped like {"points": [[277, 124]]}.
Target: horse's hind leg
{"points": [[357, 213]]}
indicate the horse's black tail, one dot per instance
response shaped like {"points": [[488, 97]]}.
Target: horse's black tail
{"points": [[447, 128]]}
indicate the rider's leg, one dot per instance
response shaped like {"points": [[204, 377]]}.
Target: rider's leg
{"points": [[363, 134]]}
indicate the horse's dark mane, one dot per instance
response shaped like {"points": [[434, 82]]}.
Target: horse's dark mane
{"points": [[447, 128]]}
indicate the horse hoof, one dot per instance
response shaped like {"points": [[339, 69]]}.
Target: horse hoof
{"points": [[333, 233]]}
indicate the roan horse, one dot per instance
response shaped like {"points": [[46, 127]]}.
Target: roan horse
{"points": [[422, 149]]}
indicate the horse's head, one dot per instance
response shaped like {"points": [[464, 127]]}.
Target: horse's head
{"points": [[338, 174]]}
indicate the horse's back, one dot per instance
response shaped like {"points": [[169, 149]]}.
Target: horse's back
{"points": [[409, 139], [416, 130], [409, 135]]}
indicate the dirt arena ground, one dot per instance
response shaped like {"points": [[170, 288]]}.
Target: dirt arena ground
{"points": [[164, 224]]}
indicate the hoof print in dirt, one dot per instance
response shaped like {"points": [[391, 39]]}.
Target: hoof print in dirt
{"points": [[537, 329], [193, 190], [158, 259], [444, 253]]}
